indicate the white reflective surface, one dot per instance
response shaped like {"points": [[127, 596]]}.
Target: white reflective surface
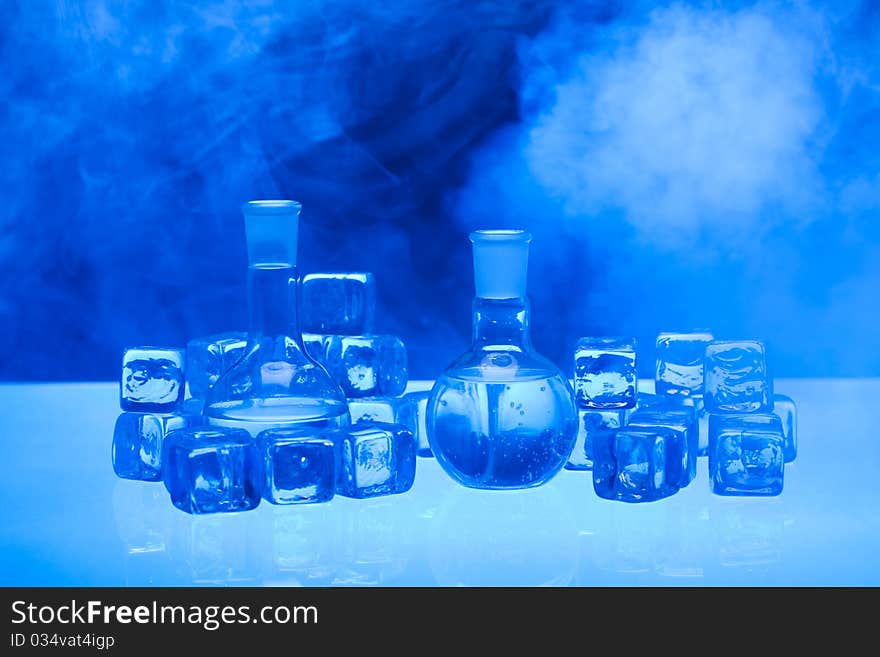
{"points": [[67, 520]]}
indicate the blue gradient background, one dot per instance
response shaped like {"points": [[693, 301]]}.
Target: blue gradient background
{"points": [[696, 164]]}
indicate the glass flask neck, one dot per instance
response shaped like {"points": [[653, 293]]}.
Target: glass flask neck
{"points": [[273, 298], [501, 324]]}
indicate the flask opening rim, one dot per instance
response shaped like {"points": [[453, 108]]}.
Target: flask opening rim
{"points": [[501, 235], [271, 207]]}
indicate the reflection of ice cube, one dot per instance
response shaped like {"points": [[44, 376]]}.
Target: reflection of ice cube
{"points": [[144, 523], [680, 363], [632, 543], [141, 513], [219, 549], [785, 408], [343, 304], [748, 536], [137, 443], [367, 366], [377, 540], [152, 379], [736, 378], [746, 454], [590, 424], [605, 373], [687, 541], [304, 543], [377, 459], [209, 357]]}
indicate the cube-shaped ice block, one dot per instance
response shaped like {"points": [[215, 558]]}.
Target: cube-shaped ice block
{"points": [[735, 377], [418, 410], [138, 440], [636, 465], [746, 454], [368, 365], [590, 425], [377, 459], [343, 304], [680, 363], [683, 423], [211, 470], [314, 344], [605, 373], [209, 357], [300, 466], [152, 380], [785, 408]]}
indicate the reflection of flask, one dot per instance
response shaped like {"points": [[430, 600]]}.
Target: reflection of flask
{"points": [[501, 416], [275, 383]]}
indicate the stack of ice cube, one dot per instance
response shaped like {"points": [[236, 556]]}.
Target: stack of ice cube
{"points": [[752, 432], [605, 387], [337, 320], [711, 397], [635, 456], [151, 392], [209, 469], [337, 324]]}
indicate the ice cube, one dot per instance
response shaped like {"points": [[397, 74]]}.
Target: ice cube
{"points": [[342, 304], [391, 410], [695, 405], [138, 440], [209, 357], [299, 465], [418, 409], [683, 423], [590, 425], [605, 373], [736, 378], [377, 459], [152, 379], [367, 366], [637, 465], [785, 408], [746, 454], [210, 470], [680, 363]]}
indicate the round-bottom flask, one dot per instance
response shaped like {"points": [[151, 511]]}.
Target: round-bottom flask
{"points": [[501, 416]]}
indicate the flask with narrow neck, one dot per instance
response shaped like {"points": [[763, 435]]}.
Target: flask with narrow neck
{"points": [[275, 383], [501, 416]]}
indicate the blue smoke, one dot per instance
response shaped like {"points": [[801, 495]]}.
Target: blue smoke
{"points": [[697, 164], [702, 166]]}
